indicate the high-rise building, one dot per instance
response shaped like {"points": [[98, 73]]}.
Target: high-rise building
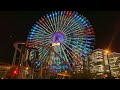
{"points": [[114, 61], [101, 63], [96, 62]]}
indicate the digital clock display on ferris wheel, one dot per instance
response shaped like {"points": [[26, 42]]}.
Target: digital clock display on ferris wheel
{"points": [[57, 37]]}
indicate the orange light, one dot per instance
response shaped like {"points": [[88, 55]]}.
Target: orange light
{"points": [[107, 51], [26, 68], [65, 71]]}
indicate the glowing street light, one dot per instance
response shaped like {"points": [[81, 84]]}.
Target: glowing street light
{"points": [[26, 68], [107, 51]]}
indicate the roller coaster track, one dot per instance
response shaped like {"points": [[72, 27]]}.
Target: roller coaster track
{"points": [[32, 44]]}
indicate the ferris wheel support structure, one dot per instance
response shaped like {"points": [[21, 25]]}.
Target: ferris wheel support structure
{"points": [[28, 45]]}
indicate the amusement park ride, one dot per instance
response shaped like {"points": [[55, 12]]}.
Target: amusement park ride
{"points": [[57, 44]]}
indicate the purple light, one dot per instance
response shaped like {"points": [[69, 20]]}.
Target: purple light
{"points": [[57, 37]]}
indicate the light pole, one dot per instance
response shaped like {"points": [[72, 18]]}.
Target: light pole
{"points": [[107, 52]]}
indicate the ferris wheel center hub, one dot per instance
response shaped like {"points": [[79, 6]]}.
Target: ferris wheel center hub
{"points": [[57, 37]]}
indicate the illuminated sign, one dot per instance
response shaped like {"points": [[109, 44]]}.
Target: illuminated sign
{"points": [[55, 44]]}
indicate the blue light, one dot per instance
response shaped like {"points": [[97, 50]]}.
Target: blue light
{"points": [[85, 51], [30, 38], [53, 14], [81, 46], [56, 13], [86, 24], [47, 16], [89, 39], [87, 48], [50, 15], [34, 28], [83, 54], [82, 20], [75, 15], [61, 12], [31, 35], [88, 45], [36, 25], [32, 32], [92, 38], [89, 42]]}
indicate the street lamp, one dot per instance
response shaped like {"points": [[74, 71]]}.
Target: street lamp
{"points": [[107, 52]]}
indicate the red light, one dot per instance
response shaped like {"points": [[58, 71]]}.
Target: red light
{"points": [[67, 12], [70, 13], [43, 19], [15, 72], [40, 21]]}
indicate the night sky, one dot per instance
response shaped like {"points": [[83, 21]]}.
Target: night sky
{"points": [[15, 26]]}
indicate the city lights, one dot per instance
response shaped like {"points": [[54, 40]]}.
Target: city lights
{"points": [[61, 45], [107, 51]]}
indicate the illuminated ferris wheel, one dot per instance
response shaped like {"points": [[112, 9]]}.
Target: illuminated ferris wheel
{"points": [[67, 33]]}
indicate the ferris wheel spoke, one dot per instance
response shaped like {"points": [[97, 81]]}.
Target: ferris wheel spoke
{"points": [[74, 37], [44, 58], [76, 48], [79, 39], [72, 55], [46, 55], [72, 49], [70, 24], [73, 28], [47, 23], [46, 44], [45, 51], [42, 41], [74, 23], [53, 17], [39, 29], [66, 21], [44, 28], [58, 22], [50, 21], [62, 20], [40, 36], [68, 53], [64, 54], [75, 60]]}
